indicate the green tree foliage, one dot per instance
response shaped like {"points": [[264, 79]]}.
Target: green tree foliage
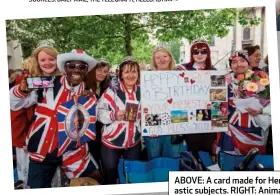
{"points": [[116, 36]]}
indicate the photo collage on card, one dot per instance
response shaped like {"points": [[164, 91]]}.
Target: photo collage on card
{"points": [[216, 109], [218, 99]]}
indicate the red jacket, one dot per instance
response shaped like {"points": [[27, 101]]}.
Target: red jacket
{"points": [[20, 122]]}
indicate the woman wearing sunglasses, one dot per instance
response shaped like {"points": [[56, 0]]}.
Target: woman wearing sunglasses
{"points": [[200, 56], [200, 60], [42, 137]]}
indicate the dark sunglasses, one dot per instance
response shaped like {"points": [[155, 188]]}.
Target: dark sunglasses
{"points": [[201, 51], [72, 66]]}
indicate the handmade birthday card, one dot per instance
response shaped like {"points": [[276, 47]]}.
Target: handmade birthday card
{"points": [[183, 102]]}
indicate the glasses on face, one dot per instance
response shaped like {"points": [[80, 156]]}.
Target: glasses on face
{"points": [[201, 51], [72, 66]]}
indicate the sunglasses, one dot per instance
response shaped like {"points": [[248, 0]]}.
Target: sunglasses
{"points": [[72, 66], [201, 51]]}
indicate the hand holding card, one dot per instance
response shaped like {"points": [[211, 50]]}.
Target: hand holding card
{"points": [[23, 86], [121, 115], [252, 102]]}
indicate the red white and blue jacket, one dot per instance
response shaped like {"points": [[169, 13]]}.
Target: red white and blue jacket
{"points": [[245, 131], [20, 121], [42, 137], [118, 134]]}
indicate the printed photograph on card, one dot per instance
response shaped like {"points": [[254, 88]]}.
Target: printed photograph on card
{"points": [[152, 120], [131, 109], [219, 108], [203, 115], [219, 121], [218, 81], [218, 94], [134, 96], [179, 116]]}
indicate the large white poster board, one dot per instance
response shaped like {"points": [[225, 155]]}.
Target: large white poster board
{"points": [[183, 102]]}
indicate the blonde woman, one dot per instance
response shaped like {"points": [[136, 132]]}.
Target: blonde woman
{"points": [[162, 59], [160, 146], [41, 62]]}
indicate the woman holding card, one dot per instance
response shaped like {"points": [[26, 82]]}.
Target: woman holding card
{"points": [[161, 146], [246, 129], [119, 111], [200, 60]]}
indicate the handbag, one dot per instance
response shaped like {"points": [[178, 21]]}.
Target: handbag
{"points": [[177, 139], [188, 162]]}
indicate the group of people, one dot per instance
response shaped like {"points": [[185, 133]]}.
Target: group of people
{"points": [[34, 114]]}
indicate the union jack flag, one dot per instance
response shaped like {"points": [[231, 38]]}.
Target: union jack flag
{"points": [[243, 135], [76, 123]]}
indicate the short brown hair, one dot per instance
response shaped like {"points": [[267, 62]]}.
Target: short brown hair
{"points": [[251, 49], [131, 63]]}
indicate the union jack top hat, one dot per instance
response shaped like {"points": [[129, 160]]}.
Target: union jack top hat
{"points": [[240, 53], [75, 54]]}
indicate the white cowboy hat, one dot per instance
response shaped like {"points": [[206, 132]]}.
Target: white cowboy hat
{"points": [[75, 54]]}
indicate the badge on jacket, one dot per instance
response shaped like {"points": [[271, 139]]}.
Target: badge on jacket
{"points": [[76, 123]]}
